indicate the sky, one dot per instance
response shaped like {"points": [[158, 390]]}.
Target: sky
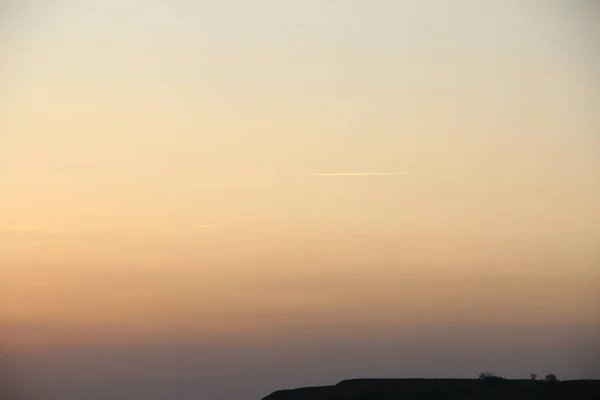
{"points": [[217, 200]]}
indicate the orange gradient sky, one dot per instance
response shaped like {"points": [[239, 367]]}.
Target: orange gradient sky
{"points": [[157, 169]]}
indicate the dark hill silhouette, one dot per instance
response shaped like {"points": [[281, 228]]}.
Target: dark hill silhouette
{"points": [[446, 389]]}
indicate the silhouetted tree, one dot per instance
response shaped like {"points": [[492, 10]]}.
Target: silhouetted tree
{"points": [[551, 378], [533, 376], [488, 376]]}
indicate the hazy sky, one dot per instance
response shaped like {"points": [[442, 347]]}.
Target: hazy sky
{"points": [[168, 227]]}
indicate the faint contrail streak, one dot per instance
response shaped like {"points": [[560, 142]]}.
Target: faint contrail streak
{"points": [[212, 225], [24, 228], [358, 173]]}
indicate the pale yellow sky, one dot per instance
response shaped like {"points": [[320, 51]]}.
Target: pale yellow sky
{"points": [[125, 130]]}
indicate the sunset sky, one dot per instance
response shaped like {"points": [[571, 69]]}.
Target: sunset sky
{"points": [[218, 199]]}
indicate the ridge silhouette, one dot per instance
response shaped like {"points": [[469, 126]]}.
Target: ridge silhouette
{"points": [[492, 388]]}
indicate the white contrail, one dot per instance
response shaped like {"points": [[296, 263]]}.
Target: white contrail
{"points": [[24, 228], [212, 225], [357, 173], [53, 244]]}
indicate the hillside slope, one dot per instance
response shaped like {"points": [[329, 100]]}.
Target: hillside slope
{"points": [[445, 389]]}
